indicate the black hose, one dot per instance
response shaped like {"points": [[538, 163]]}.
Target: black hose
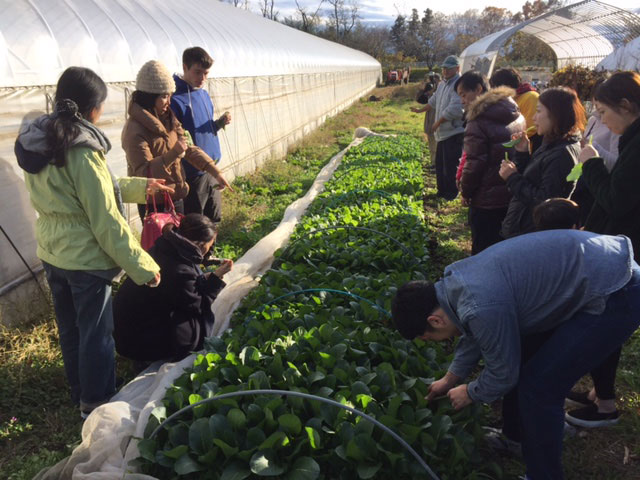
{"points": [[33, 274]]}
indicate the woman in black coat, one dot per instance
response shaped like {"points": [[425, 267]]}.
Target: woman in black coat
{"points": [[616, 210], [172, 320], [492, 118], [559, 119]]}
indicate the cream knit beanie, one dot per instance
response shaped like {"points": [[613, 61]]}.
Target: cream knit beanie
{"points": [[154, 77]]}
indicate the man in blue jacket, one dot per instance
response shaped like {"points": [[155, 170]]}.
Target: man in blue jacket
{"points": [[193, 107], [541, 310]]}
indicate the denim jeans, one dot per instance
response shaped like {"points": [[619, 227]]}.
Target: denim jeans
{"points": [[575, 347], [82, 302]]}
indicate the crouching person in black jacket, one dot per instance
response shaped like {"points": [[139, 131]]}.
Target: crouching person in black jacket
{"points": [[169, 322]]}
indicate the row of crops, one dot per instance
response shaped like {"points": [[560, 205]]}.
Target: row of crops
{"points": [[319, 324]]}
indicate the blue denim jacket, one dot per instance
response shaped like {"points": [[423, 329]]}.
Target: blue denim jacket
{"points": [[524, 285]]}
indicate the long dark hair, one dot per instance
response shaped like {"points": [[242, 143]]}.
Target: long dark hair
{"points": [[567, 113], [79, 91]]}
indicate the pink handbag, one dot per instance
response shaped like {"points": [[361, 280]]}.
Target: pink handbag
{"points": [[154, 222]]}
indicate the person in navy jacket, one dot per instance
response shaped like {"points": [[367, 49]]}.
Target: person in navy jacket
{"points": [[193, 107]]}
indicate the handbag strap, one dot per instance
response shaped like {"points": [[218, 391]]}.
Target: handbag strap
{"points": [[168, 201], [153, 197], [167, 198], [153, 201]]}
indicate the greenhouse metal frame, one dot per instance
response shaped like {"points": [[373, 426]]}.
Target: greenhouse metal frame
{"points": [[581, 34]]}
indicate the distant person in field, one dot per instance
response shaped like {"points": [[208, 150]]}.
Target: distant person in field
{"points": [[532, 179], [427, 89], [616, 210], [492, 117], [541, 310], [448, 129], [526, 97], [193, 107]]}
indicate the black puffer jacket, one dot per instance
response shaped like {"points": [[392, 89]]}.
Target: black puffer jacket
{"points": [[538, 178], [491, 120], [172, 320], [616, 208]]}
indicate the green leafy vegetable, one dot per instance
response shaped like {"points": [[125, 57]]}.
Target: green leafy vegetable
{"points": [[575, 173]]}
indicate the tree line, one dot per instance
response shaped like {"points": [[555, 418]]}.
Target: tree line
{"points": [[425, 37]]}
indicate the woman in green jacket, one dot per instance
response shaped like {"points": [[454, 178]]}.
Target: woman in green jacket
{"points": [[616, 210], [83, 239]]}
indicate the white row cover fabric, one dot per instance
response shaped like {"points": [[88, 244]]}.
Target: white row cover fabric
{"points": [[109, 433], [278, 83], [581, 34], [624, 58]]}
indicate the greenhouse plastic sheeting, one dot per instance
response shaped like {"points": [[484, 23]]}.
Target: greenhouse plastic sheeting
{"points": [[108, 433], [624, 58], [278, 83], [582, 34]]}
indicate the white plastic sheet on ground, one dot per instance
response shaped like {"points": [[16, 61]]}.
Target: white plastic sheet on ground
{"points": [[108, 435]]}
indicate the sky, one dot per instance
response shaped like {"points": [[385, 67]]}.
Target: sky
{"points": [[386, 10]]}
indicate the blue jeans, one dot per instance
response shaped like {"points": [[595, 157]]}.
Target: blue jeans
{"points": [[575, 348], [82, 302]]}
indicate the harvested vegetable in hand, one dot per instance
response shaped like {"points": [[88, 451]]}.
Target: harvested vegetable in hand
{"points": [[516, 141], [575, 173]]}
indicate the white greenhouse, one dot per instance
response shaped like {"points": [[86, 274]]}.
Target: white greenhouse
{"points": [[278, 83]]}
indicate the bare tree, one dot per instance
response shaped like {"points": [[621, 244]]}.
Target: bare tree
{"points": [[493, 19], [343, 16], [373, 40], [267, 8], [240, 3], [308, 22]]}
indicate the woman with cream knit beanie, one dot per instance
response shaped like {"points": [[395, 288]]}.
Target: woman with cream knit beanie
{"points": [[154, 140]]}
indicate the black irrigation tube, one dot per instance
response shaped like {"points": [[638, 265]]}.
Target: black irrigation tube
{"points": [[332, 290], [349, 227], [306, 396]]}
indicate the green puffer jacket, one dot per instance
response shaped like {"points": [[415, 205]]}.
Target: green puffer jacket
{"points": [[79, 226]]}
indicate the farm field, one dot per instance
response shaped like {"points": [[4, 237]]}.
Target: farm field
{"points": [[39, 426]]}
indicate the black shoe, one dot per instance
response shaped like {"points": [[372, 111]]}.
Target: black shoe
{"points": [[589, 417], [577, 399]]}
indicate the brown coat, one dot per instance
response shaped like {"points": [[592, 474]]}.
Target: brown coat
{"points": [[148, 141], [491, 120]]}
